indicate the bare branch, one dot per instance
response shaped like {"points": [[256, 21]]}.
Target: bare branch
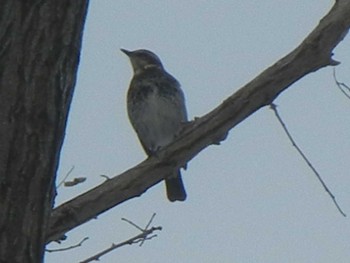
{"points": [[65, 177], [75, 181], [139, 228], [105, 176], [345, 89], [274, 108], [132, 223], [150, 221], [145, 235], [67, 248], [313, 53]]}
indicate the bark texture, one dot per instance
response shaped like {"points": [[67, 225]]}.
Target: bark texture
{"points": [[39, 53], [313, 53]]}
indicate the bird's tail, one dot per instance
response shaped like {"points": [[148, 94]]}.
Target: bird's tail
{"points": [[175, 188]]}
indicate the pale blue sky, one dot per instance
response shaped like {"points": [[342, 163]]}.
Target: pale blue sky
{"points": [[252, 199]]}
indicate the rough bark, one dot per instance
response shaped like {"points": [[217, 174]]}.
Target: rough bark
{"points": [[39, 53], [313, 53]]}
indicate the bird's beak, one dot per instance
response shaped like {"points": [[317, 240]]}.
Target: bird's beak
{"points": [[127, 52]]}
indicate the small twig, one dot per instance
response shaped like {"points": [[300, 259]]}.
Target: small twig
{"points": [[274, 108], [75, 181], [139, 228], [147, 226], [66, 176], [133, 224], [67, 248], [140, 238], [105, 176], [130, 241], [150, 221], [342, 86]]}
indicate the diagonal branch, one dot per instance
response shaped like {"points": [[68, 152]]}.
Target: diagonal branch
{"points": [[313, 53], [146, 234], [301, 153]]}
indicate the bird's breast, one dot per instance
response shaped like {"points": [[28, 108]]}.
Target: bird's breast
{"points": [[156, 118]]}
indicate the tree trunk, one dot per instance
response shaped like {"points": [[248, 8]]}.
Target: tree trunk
{"points": [[39, 53]]}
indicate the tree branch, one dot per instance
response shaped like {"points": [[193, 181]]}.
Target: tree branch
{"points": [[313, 53], [307, 161], [67, 248], [140, 238]]}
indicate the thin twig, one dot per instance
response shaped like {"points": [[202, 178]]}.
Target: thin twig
{"points": [[139, 228], [133, 224], [105, 176], [130, 241], [342, 86], [65, 178], [147, 226], [75, 181], [150, 221], [140, 238], [274, 108], [67, 248]]}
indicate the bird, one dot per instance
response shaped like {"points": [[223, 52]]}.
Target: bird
{"points": [[156, 110]]}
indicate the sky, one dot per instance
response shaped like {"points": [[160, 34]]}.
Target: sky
{"points": [[251, 199]]}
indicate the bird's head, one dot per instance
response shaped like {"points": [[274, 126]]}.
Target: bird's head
{"points": [[142, 59]]}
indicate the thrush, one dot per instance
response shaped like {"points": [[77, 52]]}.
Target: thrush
{"points": [[156, 110]]}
